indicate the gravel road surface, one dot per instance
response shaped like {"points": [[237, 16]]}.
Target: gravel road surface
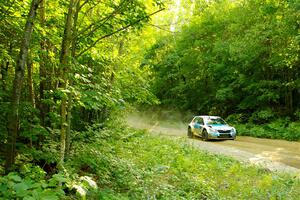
{"points": [[273, 155]]}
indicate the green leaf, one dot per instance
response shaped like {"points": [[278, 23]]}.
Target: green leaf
{"points": [[57, 178], [21, 189], [29, 198], [14, 177], [48, 195]]}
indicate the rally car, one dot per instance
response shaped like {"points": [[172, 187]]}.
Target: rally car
{"points": [[210, 127]]}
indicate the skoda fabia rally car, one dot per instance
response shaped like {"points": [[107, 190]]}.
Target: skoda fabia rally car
{"points": [[210, 127]]}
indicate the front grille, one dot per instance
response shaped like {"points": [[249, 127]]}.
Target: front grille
{"points": [[224, 131], [224, 136]]}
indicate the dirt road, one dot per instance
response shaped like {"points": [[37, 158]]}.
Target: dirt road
{"points": [[275, 155]]}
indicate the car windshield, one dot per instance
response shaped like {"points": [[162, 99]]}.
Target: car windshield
{"points": [[215, 121]]}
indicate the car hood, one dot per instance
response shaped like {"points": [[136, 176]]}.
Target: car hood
{"points": [[221, 127]]}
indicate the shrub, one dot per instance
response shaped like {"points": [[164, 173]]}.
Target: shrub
{"points": [[140, 166], [279, 129], [236, 118], [262, 116], [29, 184]]}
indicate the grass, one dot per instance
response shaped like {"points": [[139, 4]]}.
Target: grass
{"points": [[142, 166], [118, 163]]}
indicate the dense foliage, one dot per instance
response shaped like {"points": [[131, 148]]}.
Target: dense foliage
{"points": [[279, 129], [233, 57], [68, 69], [121, 163], [64, 66]]}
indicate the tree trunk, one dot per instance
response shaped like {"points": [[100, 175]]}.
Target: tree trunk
{"points": [[13, 123], [30, 82], [69, 118], [47, 71], [42, 107], [64, 61], [74, 29], [3, 71], [31, 96], [70, 96]]}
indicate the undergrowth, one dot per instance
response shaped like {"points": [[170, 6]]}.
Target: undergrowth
{"points": [[280, 129], [262, 127], [121, 163], [131, 164]]}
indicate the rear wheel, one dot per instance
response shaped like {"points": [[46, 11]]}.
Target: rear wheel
{"points": [[189, 133], [204, 135]]}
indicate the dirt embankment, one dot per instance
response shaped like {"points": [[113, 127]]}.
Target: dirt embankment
{"points": [[275, 155]]}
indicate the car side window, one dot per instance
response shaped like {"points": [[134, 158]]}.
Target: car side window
{"points": [[198, 120], [195, 120], [201, 121]]}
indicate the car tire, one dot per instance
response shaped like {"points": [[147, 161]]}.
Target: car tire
{"points": [[204, 135], [189, 132]]}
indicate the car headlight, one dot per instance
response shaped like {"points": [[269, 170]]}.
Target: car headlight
{"points": [[232, 130]]}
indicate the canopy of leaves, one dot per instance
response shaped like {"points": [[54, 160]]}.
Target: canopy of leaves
{"points": [[233, 57]]}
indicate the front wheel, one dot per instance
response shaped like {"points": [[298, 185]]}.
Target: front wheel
{"points": [[189, 133], [204, 135]]}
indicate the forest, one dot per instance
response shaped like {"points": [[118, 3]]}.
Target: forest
{"points": [[71, 70], [236, 59]]}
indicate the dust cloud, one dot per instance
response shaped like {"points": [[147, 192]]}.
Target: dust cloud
{"points": [[174, 123], [162, 122]]}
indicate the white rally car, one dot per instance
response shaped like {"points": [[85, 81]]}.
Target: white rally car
{"points": [[210, 127]]}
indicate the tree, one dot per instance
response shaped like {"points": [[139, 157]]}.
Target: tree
{"points": [[17, 86], [72, 72], [231, 58]]}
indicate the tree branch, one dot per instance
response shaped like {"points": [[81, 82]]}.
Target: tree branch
{"points": [[117, 31], [83, 4], [158, 27], [86, 12], [103, 20]]}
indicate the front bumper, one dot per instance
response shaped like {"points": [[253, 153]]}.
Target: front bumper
{"points": [[221, 136]]}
